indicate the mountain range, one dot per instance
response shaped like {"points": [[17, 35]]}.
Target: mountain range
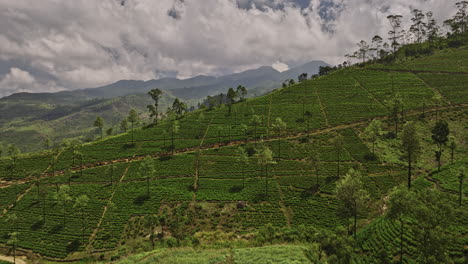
{"points": [[28, 118]]}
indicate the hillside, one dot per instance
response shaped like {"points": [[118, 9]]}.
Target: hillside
{"points": [[29, 118], [191, 180]]}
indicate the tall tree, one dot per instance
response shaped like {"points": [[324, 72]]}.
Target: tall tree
{"points": [[179, 107], [150, 222], [372, 132], [338, 144], [432, 29], [395, 105], [81, 203], [153, 109], [418, 28], [411, 146], [99, 123], [231, 95], [13, 152], [279, 125], [46, 143], [243, 159], [62, 197], [302, 77], [352, 195], [314, 162], [461, 179], [440, 134], [363, 51], [133, 118], [147, 171], [395, 34], [400, 205], [173, 130], [13, 241], [242, 92], [123, 125], [453, 146], [265, 158], [433, 213], [256, 121], [377, 46]]}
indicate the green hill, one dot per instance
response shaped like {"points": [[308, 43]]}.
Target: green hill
{"points": [[209, 198]]}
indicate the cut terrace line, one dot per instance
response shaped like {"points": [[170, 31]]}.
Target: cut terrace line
{"points": [[241, 142], [433, 89], [104, 211], [322, 108], [370, 93]]}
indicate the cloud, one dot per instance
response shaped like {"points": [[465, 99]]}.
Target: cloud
{"points": [[18, 80], [87, 43]]}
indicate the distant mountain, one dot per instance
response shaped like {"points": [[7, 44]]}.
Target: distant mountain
{"points": [[28, 118]]}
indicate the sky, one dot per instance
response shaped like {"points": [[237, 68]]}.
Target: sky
{"points": [[53, 45]]}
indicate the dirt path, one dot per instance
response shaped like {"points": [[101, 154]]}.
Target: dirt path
{"points": [[370, 94], [314, 132], [10, 259]]}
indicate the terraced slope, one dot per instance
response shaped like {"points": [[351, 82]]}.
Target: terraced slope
{"points": [[201, 184]]}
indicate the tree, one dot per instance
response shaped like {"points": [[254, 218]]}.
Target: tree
{"points": [[80, 157], [133, 118], [179, 107], [111, 171], [150, 222], [278, 126], [1, 150], [453, 146], [363, 50], [43, 195], [377, 46], [123, 125], [419, 26], [99, 123], [461, 179], [13, 152], [62, 197], [338, 144], [13, 241], [243, 159], [372, 132], [314, 162], [440, 134], [432, 29], [163, 221], [155, 95], [265, 158], [411, 146], [242, 92], [147, 171], [352, 195], [109, 131], [395, 104], [433, 212], [400, 205], [395, 34], [302, 77], [80, 204], [173, 130], [46, 144], [231, 94], [256, 120], [459, 23]]}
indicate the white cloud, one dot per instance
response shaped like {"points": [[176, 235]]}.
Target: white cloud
{"points": [[87, 43], [18, 80], [279, 66]]}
